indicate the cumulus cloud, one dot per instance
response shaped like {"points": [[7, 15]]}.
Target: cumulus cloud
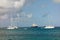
{"points": [[19, 3], [10, 5]]}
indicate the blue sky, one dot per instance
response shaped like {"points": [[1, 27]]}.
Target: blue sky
{"points": [[40, 12]]}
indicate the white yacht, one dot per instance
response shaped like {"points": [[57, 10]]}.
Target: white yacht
{"points": [[49, 27], [34, 25], [12, 27]]}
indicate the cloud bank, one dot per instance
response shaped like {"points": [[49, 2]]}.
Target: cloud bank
{"points": [[10, 6], [7, 5], [11, 3]]}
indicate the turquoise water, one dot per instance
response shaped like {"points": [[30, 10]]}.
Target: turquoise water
{"points": [[30, 34]]}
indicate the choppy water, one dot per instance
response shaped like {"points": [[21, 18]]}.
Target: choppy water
{"points": [[30, 34]]}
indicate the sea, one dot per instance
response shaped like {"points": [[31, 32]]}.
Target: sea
{"points": [[29, 33]]}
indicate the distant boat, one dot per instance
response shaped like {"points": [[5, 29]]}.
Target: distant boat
{"points": [[34, 25], [49, 27], [12, 27]]}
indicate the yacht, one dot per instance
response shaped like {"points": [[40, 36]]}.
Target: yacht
{"points": [[12, 27], [34, 25], [49, 27]]}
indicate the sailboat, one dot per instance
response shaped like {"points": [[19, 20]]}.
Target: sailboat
{"points": [[49, 26], [12, 26]]}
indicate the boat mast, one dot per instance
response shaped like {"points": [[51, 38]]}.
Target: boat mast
{"points": [[18, 18], [11, 21]]}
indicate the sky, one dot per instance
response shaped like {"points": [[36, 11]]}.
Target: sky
{"points": [[24, 13]]}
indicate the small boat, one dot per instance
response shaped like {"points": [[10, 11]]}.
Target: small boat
{"points": [[34, 25], [12, 27], [49, 27]]}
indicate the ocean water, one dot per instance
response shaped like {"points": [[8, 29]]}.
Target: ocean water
{"points": [[30, 34]]}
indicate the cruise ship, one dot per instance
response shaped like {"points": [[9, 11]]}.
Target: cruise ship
{"points": [[49, 27]]}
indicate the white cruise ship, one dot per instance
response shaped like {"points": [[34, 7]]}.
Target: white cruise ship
{"points": [[49, 27]]}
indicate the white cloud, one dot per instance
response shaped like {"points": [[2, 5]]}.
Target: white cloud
{"points": [[7, 6], [20, 3], [5, 3], [56, 1], [11, 5]]}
